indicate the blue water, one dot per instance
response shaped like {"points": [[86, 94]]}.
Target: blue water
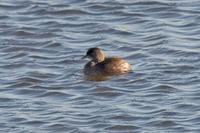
{"points": [[42, 87]]}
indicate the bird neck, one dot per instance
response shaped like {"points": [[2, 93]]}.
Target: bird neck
{"points": [[99, 59]]}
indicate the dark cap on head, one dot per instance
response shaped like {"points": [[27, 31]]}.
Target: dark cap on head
{"points": [[92, 50], [96, 54]]}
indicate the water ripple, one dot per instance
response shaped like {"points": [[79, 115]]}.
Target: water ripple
{"points": [[42, 85]]}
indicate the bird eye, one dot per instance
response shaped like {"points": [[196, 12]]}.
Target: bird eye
{"points": [[89, 52]]}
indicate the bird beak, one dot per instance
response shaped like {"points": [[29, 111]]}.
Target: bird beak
{"points": [[85, 56]]}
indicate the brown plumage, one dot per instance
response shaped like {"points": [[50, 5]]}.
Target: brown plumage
{"points": [[100, 65]]}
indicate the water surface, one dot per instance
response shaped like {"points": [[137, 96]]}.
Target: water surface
{"points": [[42, 88]]}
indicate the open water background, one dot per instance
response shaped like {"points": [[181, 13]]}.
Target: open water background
{"points": [[43, 90]]}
